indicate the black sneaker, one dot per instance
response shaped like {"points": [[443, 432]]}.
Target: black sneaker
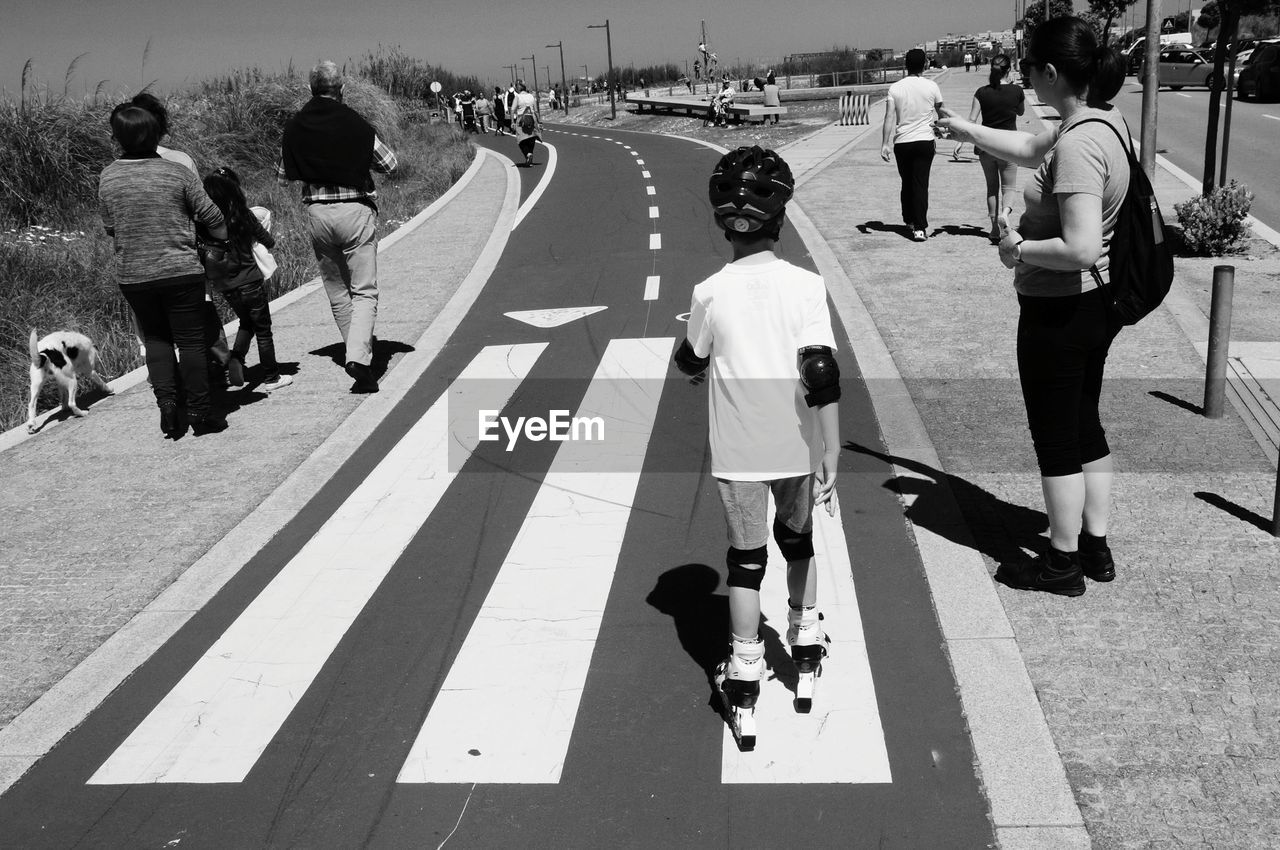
{"points": [[1056, 572], [1095, 559], [365, 382]]}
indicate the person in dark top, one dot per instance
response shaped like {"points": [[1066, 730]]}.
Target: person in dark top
{"points": [[998, 103], [330, 148]]}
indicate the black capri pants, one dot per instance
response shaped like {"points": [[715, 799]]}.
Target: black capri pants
{"points": [[1062, 349]]}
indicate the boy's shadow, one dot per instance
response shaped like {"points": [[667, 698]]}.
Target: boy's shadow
{"points": [[687, 594], [383, 351], [998, 529], [880, 227]]}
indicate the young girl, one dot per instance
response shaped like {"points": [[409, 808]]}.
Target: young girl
{"points": [[234, 272]]}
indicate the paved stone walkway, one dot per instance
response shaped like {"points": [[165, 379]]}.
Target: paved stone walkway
{"points": [[1160, 689]]}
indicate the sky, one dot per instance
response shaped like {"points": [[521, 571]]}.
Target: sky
{"points": [[192, 40]]}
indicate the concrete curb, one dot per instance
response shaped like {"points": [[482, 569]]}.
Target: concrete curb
{"points": [[14, 436], [65, 705]]}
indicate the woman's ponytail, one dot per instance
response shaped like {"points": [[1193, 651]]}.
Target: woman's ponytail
{"points": [[1000, 66], [1108, 75]]}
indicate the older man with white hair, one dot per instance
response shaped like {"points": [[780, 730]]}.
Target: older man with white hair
{"points": [[331, 149]]}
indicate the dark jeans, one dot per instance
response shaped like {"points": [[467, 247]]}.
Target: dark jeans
{"points": [[249, 301], [1062, 349], [170, 312], [914, 161], [526, 145]]}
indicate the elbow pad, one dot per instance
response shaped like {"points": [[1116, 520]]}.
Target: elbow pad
{"points": [[688, 362], [820, 375]]}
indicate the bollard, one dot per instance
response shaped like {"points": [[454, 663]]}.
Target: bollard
{"points": [[1275, 511], [1215, 378]]}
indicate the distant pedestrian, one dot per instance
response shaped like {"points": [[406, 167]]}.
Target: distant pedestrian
{"points": [[525, 119], [998, 104], [772, 95], [233, 271], [510, 101], [499, 106], [484, 113], [1059, 255], [331, 149], [721, 103], [147, 205], [968, 61], [911, 108]]}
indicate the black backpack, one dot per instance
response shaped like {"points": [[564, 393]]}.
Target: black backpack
{"points": [[1141, 265]]}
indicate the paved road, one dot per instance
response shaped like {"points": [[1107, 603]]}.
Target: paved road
{"points": [[1182, 118], [457, 642]]}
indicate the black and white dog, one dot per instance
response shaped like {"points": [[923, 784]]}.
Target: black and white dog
{"points": [[67, 357]]}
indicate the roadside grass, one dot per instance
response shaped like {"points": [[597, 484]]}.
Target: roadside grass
{"points": [[55, 260]]}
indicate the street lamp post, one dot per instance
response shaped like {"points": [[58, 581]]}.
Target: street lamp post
{"points": [[512, 69], [608, 43], [564, 84], [536, 106]]}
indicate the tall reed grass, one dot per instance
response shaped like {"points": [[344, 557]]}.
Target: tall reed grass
{"points": [[56, 261]]}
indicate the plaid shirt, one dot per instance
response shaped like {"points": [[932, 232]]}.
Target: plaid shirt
{"points": [[384, 162]]}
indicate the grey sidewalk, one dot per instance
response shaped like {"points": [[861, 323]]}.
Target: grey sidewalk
{"points": [[102, 516], [1160, 689]]}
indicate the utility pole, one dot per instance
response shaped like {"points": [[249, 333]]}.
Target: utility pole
{"points": [[564, 84], [608, 43], [1150, 84], [512, 69], [536, 107]]}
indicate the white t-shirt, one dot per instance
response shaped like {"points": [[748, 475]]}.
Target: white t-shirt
{"points": [[525, 102], [752, 318], [916, 99]]}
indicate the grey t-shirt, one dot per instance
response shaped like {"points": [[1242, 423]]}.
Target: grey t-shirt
{"points": [[1088, 159]]}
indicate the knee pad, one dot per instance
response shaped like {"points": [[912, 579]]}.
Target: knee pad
{"points": [[741, 575], [794, 545]]}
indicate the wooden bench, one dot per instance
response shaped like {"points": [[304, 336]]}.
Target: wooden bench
{"points": [[701, 107]]}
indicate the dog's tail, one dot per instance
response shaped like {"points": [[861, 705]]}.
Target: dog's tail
{"points": [[37, 359]]}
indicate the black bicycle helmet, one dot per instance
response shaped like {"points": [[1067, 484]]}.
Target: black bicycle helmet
{"points": [[749, 189]]}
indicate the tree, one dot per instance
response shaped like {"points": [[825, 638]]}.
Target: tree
{"points": [[1042, 10], [1210, 16], [1104, 12]]}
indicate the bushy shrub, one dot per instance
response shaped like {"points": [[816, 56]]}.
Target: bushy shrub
{"points": [[1213, 224]]}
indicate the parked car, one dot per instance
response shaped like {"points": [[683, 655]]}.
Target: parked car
{"points": [[1260, 76], [1133, 57], [1187, 66]]}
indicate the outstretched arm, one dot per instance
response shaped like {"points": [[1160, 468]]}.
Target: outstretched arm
{"points": [[1012, 145]]}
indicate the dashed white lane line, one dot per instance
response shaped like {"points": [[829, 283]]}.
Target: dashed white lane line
{"points": [[649, 190], [1272, 117], [655, 241], [651, 288], [653, 212], [641, 161], [644, 174]]}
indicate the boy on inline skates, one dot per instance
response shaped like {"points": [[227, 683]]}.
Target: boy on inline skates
{"points": [[762, 327]]}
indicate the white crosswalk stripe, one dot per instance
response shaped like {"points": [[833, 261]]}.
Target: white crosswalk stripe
{"points": [[537, 629], [215, 723]]}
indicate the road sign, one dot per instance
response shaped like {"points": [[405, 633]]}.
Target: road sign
{"points": [[435, 87]]}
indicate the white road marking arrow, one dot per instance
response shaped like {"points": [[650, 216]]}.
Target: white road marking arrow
{"points": [[552, 318]]}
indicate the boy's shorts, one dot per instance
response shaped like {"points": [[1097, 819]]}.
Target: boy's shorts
{"points": [[746, 508]]}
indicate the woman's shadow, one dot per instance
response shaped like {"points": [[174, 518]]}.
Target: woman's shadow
{"points": [[998, 529], [687, 594]]}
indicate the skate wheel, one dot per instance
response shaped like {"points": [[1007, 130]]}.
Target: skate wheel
{"points": [[745, 726], [804, 705]]}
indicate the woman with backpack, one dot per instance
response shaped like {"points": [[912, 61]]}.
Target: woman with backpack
{"points": [[1059, 254], [998, 104], [525, 118]]}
